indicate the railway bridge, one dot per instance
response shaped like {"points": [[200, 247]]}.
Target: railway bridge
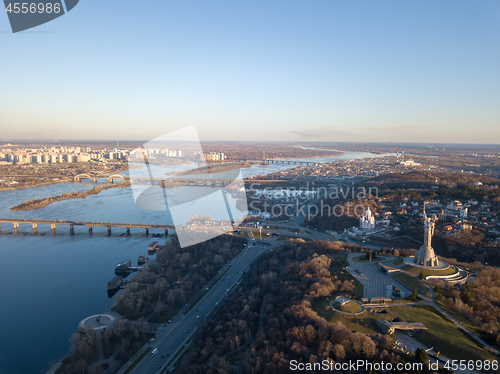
{"points": [[277, 161], [90, 224], [94, 178]]}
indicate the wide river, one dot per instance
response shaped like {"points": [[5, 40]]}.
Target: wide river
{"points": [[49, 283]]}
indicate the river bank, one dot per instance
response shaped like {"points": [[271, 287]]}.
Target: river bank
{"points": [[36, 185], [214, 168], [58, 180], [40, 203]]}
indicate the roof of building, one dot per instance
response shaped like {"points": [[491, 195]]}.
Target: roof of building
{"points": [[390, 269]]}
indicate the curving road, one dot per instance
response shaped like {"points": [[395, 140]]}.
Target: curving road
{"points": [[172, 337]]}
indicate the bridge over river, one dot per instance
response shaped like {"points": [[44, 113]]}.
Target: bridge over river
{"points": [[282, 161], [193, 181], [71, 224]]}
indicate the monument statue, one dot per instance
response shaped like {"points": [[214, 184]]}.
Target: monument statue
{"points": [[426, 255]]}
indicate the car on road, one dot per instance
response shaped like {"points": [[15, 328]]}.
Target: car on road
{"points": [[154, 352]]}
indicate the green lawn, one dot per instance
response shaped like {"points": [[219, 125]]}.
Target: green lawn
{"points": [[398, 261], [322, 307], [244, 233], [463, 320], [412, 283], [401, 242], [417, 271], [442, 335], [349, 308], [365, 323]]}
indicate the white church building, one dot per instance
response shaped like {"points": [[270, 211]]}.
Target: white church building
{"points": [[367, 221]]}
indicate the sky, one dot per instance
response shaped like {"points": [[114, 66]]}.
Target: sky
{"points": [[280, 70]]}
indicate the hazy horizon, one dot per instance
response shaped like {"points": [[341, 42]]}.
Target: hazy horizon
{"points": [[5, 142]]}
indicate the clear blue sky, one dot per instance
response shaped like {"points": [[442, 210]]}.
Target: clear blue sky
{"points": [[338, 70]]}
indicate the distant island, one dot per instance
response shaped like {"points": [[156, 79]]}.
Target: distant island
{"points": [[213, 168], [40, 203]]}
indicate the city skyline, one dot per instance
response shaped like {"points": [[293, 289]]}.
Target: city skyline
{"points": [[292, 71]]}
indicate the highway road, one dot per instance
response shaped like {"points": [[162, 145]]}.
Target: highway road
{"points": [[172, 337]]}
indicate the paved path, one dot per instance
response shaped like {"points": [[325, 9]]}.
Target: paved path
{"points": [[412, 344], [430, 301], [375, 282]]}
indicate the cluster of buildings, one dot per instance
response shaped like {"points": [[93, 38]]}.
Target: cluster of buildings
{"points": [[158, 152], [454, 217], [338, 171], [401, 161], [210, 156], [61, 154]]}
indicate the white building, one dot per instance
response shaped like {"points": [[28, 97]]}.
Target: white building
{"points": [[409, 163], [367, 222], [463, 212], [454, 205]]}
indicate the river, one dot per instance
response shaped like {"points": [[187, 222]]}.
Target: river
{"points": [[48, 283]]}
